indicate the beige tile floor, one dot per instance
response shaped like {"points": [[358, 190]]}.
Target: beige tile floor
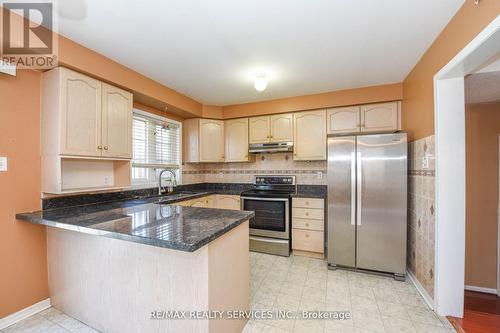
{"points": [[377, 304]]}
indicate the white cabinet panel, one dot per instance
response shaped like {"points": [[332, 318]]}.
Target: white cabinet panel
{"points": [[211, 140], [236, 140], [309, 137], [116, 122], [228, 201], [382, 117], [80, 114], [281, 127], [343, 120], [259, 129]]}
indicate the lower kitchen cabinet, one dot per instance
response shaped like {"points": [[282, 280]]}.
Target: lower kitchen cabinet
{"points": [[220, 201], [307, 240], [228, 201], [308, 224]]}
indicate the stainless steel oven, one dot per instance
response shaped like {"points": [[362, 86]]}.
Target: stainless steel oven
{"points": [[272, 216], [270, 201]]}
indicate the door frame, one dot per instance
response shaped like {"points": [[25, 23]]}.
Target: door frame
{"points": [[449, 120]]}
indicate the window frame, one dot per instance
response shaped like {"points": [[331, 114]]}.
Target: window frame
{"points": [[150, 170]]}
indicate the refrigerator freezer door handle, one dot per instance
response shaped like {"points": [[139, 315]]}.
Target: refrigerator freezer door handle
{"points": [[353, 188], [359, 204]]}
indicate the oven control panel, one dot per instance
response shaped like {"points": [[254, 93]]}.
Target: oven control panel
{"points": [[275, 180]]}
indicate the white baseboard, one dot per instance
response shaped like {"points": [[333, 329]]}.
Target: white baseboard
{"points": [[481, 289], [24, 313], [421, 290]]}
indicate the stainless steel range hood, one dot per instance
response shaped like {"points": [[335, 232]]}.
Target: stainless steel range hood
{"points": [[275, 147]]}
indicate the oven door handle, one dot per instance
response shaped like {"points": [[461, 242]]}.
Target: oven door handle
{"points": [[264, 199]]}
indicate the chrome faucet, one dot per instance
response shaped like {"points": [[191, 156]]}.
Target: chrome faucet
{"points": [[173, 182]]}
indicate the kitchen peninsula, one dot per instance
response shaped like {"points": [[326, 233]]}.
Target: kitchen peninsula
{"points": [[111, 265]]}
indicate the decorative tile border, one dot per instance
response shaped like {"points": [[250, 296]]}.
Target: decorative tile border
{"points": [[253, 172]]}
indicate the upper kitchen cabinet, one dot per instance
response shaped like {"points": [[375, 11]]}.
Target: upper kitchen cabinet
{"points": [[84, 117], [259, 129], [116, 122], [309, 135], [382, 117], [236, 140], [369, 118], [203, 140], [343, 120], [86, 133], [281, 128], [71, 114], [276, 128]]}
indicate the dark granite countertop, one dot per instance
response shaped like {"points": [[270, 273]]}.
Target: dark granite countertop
{"points": [[152, 221]]}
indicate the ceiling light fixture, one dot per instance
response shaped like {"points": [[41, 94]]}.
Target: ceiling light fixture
{"points": [[260, 82]]}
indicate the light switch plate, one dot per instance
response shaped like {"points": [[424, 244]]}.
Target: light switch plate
{"points": [[425, 163], [3, 163]]}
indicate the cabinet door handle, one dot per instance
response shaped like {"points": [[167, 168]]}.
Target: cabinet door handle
{"points": [[99, 147], [307, 224], [307, 203], [105, 147], [307, 214], [307, 235]]}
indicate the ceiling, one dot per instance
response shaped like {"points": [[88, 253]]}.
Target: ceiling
{"points": [[483, 86], [210, 50]]}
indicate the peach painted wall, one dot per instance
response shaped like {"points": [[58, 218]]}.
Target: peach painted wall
{"points": [[482, 124], [382, 93], [23, 253], [211, 111], [157, 112], [146, 91], [418, 90]]}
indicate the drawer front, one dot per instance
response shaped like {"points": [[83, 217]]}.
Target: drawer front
{"points": [[308, 203], [307, 240], [306, 213], [308, 224]]}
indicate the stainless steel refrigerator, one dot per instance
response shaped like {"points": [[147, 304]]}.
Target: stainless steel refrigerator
{"points": [[367, 191]]}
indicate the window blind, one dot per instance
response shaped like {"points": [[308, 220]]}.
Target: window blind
{"points": [[155, 143]]}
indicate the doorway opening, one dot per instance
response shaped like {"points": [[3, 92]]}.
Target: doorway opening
{"points": [[451, 191], [482, 137]]}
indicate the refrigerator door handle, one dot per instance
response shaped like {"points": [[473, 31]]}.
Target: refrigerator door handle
{"points": [[359, 203], [353, 188]]}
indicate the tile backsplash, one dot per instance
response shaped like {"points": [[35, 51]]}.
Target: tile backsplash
{"points": [[421, 212], [312, 173]]}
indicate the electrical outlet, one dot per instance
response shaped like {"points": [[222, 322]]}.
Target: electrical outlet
{"points": [[425, 162], [319, 175], [3, 163], [106, 180]]}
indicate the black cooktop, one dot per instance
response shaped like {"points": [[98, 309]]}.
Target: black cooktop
{"points": [[267, 193]]}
